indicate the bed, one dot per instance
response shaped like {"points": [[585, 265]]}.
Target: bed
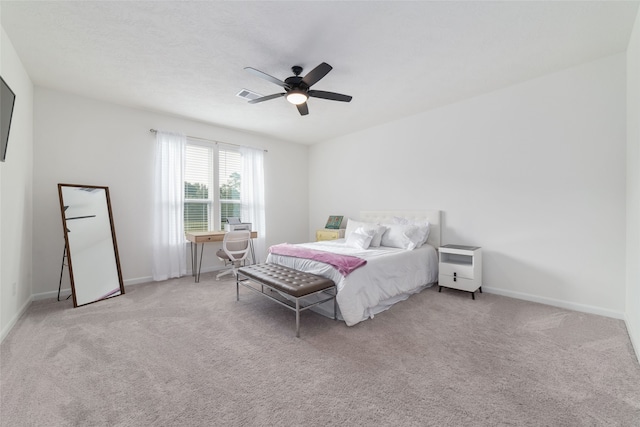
{"points": [[390, 275]]}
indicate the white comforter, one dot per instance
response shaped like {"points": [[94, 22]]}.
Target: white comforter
{"points": [[390, 275]]}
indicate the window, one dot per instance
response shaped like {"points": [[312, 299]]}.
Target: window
{"points": [[211, 186]]}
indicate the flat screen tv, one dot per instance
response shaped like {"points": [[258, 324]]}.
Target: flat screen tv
{"points": [[7, 100]]}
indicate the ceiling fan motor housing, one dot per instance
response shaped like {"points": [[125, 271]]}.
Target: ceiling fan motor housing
{"points": [[296, 82]]}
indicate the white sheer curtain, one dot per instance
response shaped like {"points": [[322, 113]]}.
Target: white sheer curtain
{"points": [[169, 249], [252, 195]]}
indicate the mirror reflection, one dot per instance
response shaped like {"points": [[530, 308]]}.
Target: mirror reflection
{"points": [[92, 251]]}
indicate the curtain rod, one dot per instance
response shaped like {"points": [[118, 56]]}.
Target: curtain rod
{"points": [[210, 140]]}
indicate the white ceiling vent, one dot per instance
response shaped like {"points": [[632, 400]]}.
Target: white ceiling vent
{"points": [[248, 95]]}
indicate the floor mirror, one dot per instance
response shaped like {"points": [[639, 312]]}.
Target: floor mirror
{"points": [[90, 243]]}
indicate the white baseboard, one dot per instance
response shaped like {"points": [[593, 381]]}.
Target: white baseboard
{"points": [[127, 282], [633, 336], [556, 303], [137, 281], [64, 293], [148, 279], [14, 320]]}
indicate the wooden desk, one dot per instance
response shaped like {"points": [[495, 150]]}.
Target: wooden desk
{"points": [[203, 237]]}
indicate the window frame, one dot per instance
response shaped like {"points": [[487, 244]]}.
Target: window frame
{"points": [[214, 200]]}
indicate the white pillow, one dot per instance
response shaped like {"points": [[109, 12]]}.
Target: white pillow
{"points": [[422, 225], [360, 238], [377, 237], [401, 236], [353, 225]]}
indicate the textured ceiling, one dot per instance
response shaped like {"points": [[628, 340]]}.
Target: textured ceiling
{"points": [[395, 58]]}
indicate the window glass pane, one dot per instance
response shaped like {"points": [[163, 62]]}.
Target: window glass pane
{"points": [[228, 209], [197, 174], [229, 178], [198, 177], [196, 216]]}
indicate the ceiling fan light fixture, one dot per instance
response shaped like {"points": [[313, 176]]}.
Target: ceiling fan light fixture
{"points": [[297, 97]]}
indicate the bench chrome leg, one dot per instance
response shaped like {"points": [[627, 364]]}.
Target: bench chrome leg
{"points": [[297, 318], [237, 288]]}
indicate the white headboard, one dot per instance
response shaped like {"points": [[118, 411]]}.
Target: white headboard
{"points": [[433, 216]]}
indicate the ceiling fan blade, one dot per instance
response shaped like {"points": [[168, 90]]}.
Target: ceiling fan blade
{"points": [[316, 74], [329, 95], [266, 98], [267, 77], [303, 109]]}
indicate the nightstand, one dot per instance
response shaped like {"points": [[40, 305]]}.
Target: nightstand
{"points": [[329, 234], [460, 268]]}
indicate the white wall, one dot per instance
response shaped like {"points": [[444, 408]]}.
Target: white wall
{"points": [[84, 141], [16, 193], [533, 173], [633, 187]]}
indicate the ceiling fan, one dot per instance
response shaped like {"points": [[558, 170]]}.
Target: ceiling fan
{"points": [[297, 89]]}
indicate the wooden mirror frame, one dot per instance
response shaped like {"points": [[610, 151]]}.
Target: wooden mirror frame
{"points": [[104, 285]]}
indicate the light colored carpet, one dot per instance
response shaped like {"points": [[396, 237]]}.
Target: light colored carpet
{"points": [[178, 353]]}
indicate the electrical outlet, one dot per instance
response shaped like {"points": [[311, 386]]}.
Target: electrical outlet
{"points": [[14, 289]]}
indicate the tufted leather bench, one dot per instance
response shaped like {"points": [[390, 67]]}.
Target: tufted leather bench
{"points": [[297, 285]]}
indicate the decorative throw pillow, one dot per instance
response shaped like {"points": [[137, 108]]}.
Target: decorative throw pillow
{"points": [[360, 238], [377, 237], [423, 227], [379, 230], [352, 225], [401, 236]]}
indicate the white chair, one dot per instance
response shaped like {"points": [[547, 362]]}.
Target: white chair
{"points": [[235, 248]]}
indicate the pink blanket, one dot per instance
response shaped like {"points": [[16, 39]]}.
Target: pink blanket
{"points": [[345, 264]]}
